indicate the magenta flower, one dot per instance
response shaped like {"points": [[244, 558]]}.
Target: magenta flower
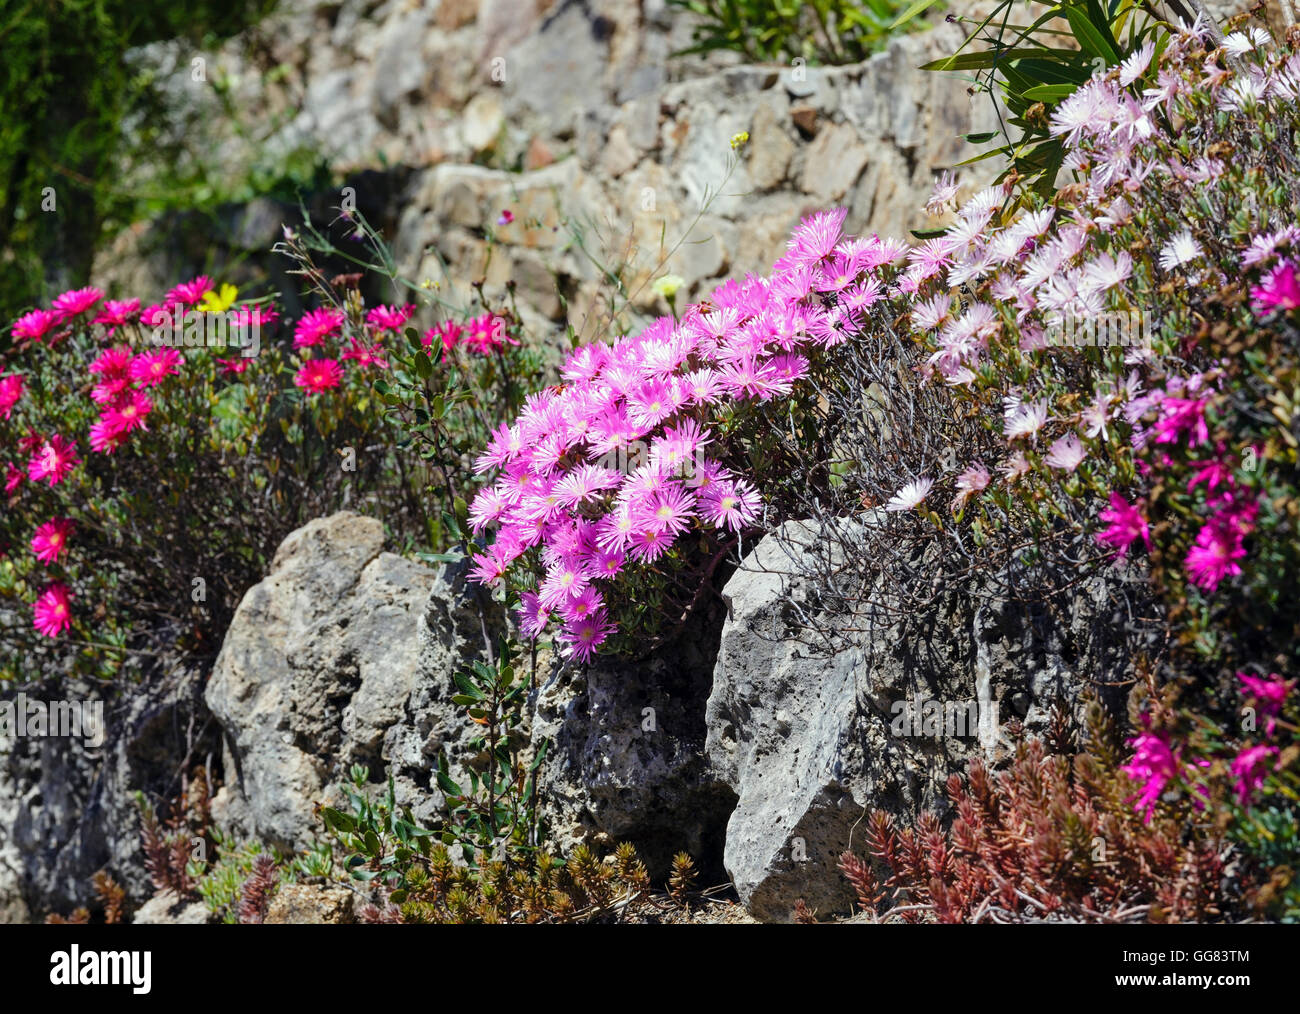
{"points": [[76, 301], [1126, 525], [1270, 694], [11, 390], [1182, 417], [314, 327], [51, 539], [1279, 291], [187, 294], [1250, 768], [53, 611], [116, 313], [390, 318], [150, 368], [53, 461], [1154, 766], [34, 326], [318, 375]]}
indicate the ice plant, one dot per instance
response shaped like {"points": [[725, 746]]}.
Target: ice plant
{"points": [[51, 540], [52, 613], [318, 375]]}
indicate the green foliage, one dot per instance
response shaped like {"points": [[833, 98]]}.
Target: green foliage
{"points": [[68, 89], [820, 32], [1038, 65]]}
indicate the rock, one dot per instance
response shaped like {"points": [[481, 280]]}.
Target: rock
{"points": [[769, 147], [165, 909], [481, 121], [66, 806], [317, 665], [310, 903], [834, 161], [626, 756], [810, 740], [538, 155], [804, 119]]}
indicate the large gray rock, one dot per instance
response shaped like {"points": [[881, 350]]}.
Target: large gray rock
{"points": [[809, 738], [318, 664]]}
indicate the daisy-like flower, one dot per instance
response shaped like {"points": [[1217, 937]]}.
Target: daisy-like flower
{"points": [[13, 478], [117, 312], [1181, 249], [1136, 64], [187, 293], [1024, 420], [910, 496], [1280, 290], [53, 461], [815, 237], [1250, 768], [588, 634], [1066, 453], [1125, 525], [52, 612], [669, 510], [390, 318], [1214, 555], [127, 414], [34, 326], [51, 540], [76, 301], [366, 356], [319, 375], [150, 368], [730, 503], [585, 482], [1153, 767], [232, 366], [945, 190], [314, 327], [11, 390], [533, 616], [974, 480]]}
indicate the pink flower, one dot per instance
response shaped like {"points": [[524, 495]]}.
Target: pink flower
{"points": [[366, 356], [1270, 694], [974, 480], [1153, 767], [34, 326], [11, 389], [1126, 525], [314, 327], [586, 635], [76, 301], [506, 217], [116, 313], [187, 293], [126, 414], [390, 318], [730, 503], [229, 366], [113, 364], [1218, 546], [1182, 416], [53, 611], [1066, 453], [1280, 290], [53, 461], [51, 539], [13, 477], [150, 368], [1250, 767], [318, 375]]}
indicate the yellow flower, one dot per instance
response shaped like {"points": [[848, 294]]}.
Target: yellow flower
{"points": [[214, 303], [668, 285], [740, 140]]}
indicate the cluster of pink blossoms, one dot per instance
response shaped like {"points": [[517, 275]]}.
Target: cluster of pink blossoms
{"points": [[613, 467], [481, 335]]}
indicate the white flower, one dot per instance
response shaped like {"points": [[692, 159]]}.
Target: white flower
{"points": [[910, 496], [945, 189], [1066, 453], [1135, 66], [1024, 420], [1179, 250]]}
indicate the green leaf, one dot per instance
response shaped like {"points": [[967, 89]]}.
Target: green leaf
{"points": [[918, 8], [1091, 40]]}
